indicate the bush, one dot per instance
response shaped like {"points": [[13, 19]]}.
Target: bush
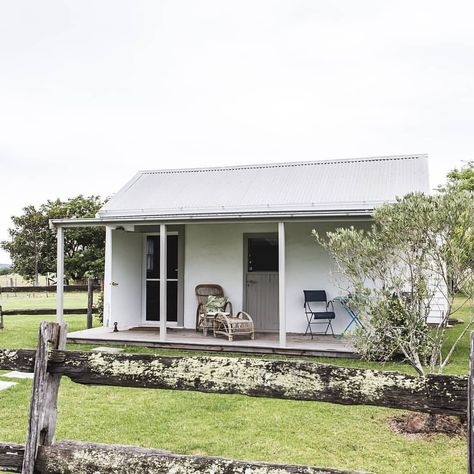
{"points": [[418, 250], [392, 323]]}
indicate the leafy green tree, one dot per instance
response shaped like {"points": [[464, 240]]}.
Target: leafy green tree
{"points": [[32, 244], [83, 246], [29, 242], [462, 178], [418, 249]]}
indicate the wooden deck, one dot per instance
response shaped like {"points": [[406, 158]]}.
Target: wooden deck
{"points": [[190, 340]]}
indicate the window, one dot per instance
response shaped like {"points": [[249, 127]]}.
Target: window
{"points": [[262, 255]]}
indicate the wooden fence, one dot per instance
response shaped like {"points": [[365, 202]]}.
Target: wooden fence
{"points": [[45, 289], [43, 312], [284, 379], [89, 311]]}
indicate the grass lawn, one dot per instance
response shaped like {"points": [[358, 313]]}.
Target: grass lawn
{"points": [[229, 425], [43, 300]]}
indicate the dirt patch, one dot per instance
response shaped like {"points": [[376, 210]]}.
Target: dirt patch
{"points": [[417, 425]]}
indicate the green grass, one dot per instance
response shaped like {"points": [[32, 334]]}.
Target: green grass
{"points": [[42, 300], [21, 331], [350, 437]]}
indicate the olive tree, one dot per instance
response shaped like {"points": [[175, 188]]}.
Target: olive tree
{"points": [[418, 252]]}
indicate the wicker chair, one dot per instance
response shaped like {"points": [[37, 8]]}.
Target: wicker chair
{"points": [[205, 321], [230, 326]]}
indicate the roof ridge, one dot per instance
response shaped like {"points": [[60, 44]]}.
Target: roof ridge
{"points": [[284, 164]]}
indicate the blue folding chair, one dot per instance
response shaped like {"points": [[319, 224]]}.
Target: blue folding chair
{"points": [[314, 301]]}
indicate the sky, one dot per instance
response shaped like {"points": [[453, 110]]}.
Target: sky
{"points": [[93, 91]]}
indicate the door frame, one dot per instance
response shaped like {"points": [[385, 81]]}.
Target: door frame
{"points": [[246, 237], [172, 230]]}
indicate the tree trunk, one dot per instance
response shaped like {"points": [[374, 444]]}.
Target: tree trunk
{"points": [[36, 268]]}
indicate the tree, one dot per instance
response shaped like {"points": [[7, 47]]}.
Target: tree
{"points": [[462, 178], [415, 248], [32, 244], [83, 246], [5, 271], [28, 245]]}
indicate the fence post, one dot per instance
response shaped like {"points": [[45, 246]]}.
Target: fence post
{"points": [[90, 301], [470, 410], [1, 318], [43, 408]]}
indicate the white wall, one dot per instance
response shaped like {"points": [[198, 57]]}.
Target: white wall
{"points": [[214, 254], [439, 306], [309, 267], [126, 271]]}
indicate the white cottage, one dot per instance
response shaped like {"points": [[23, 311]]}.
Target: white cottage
{"points": [[246, 228]]}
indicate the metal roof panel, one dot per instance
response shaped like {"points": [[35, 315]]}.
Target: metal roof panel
{"points": [[362, 183]]}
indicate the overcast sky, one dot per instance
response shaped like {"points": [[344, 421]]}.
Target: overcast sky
{"points": [[92, 91]]}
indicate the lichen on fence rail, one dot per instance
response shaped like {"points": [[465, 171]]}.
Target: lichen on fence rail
{"points": [[84, 458], [286, 379]]}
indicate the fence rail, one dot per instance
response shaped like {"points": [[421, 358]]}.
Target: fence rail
{"points": [[76, 457], [44, 289], [285, 379], [43, 312], [11, 456], [89, 311]]}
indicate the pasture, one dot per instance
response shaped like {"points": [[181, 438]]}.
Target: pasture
{"points": [[227, 425]]}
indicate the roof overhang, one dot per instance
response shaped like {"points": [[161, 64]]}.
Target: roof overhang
{"points": [[213, 217]]}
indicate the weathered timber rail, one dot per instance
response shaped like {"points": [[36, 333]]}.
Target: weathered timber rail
{"points": [[44, 312], [89, 311], [286, 379], [84, 458], [292, 380], [11, 456], [44, 289]]}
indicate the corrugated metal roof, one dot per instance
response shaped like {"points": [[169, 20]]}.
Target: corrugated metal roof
{"points": [[350, 186]]}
